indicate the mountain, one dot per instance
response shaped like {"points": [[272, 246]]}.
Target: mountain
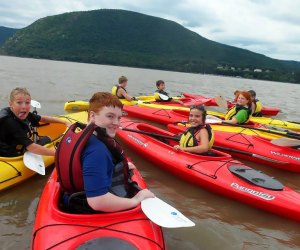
{"points": [[5, 33], [127, 38]]}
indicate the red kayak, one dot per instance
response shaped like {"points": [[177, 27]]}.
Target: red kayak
{"points": [[253, 148], [219, 173], [210, 101], [56, 229]]}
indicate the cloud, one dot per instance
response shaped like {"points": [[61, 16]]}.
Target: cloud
{"points": [[263, 26]]}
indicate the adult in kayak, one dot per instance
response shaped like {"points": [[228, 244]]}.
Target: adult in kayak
{"points": [[120, 89], [161, 95], [199, 137], [104, 167], [17, 127], [256, 105], [241, 112]]}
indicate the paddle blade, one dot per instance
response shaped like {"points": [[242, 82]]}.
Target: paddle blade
{"points": [[35, 104], [163, 97], [164, 215], [34, 162], [286, 142], [213, 120], [220, 100]]}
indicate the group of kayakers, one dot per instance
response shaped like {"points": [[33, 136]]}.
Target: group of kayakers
{"points": [[105, 168]]}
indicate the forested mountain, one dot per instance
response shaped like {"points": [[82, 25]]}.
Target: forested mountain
{"points": [[5, 33], [127, 38]]}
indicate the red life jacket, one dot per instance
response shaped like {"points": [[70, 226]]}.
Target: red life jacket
{"points": [[67, 157]]}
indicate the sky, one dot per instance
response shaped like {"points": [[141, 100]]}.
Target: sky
{"points": [[268, 27]]}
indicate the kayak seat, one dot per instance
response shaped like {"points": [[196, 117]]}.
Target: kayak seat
{"points": [[256, 178], [75, 203]]}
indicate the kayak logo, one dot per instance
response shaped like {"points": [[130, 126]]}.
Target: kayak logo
{"points": [[285, 155], [68, 140], [138, 141], [262, 195]]}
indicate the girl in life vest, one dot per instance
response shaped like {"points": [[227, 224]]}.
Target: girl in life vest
{"points": [[199, 137], [105, 112], [240, 113]]}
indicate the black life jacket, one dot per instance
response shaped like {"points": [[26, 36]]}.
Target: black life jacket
{"points": [[10, 149], [115, 89], [68, 159]]}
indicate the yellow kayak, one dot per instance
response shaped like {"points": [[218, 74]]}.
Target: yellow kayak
{"points": [[84, 105], [13, 170], [261, 120]]}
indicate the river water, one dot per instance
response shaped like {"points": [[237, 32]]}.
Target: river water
{"points": [[220, 223]]}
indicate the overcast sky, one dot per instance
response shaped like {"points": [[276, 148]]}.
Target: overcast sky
{"points": [[269, 27]]}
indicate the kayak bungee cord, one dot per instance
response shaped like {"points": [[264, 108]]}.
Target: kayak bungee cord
{"points": [[93, 229]]}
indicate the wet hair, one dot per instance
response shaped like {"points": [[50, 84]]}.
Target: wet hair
{"points": [[159, 82], [203, 111], [103, 99], [122, 79], [252, 93], [247, 95], [17, 91]]}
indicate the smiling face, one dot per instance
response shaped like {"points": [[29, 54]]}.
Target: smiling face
{"points": [[20, 105], [162, 86], [108, 118], [195, 117], [242, 100]]}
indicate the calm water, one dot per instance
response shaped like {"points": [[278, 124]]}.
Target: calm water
{"points": [[220, 223]]}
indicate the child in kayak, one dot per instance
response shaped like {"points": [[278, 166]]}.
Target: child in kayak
{"points": [[240, 113], [17, 127], [198, 138], [256, 106], [161, 95], [103, 161], [120, 89]]}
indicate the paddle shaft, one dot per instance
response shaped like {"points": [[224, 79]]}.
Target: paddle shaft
{"points": [[151, 134], [286, 134], [246, 153]]}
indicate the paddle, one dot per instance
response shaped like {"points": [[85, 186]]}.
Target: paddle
{"points": [[163, 214], [248, 153], [285, 134], [150, 133], [163, 97], [160, 212], [34, 162], [286, 142], [221, 102]]}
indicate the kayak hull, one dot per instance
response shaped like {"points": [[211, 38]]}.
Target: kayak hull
{"points": [[208, 172], [267, 111], [56, 229], [253, 148]]}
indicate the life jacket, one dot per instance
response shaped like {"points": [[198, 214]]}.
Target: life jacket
{"points": [[115, 89], [9, 149], [158, 98], [68, 159], [258, 108], [234, 110], [188, 138]]}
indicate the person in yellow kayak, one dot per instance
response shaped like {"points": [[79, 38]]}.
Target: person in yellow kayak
{"points": [[120, 89], [161, 95], [17, 127], [241, 112], [104, 167], [256, 105], [199, 137]]}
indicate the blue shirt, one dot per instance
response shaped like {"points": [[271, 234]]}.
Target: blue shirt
{"points": [[97, 168]]}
